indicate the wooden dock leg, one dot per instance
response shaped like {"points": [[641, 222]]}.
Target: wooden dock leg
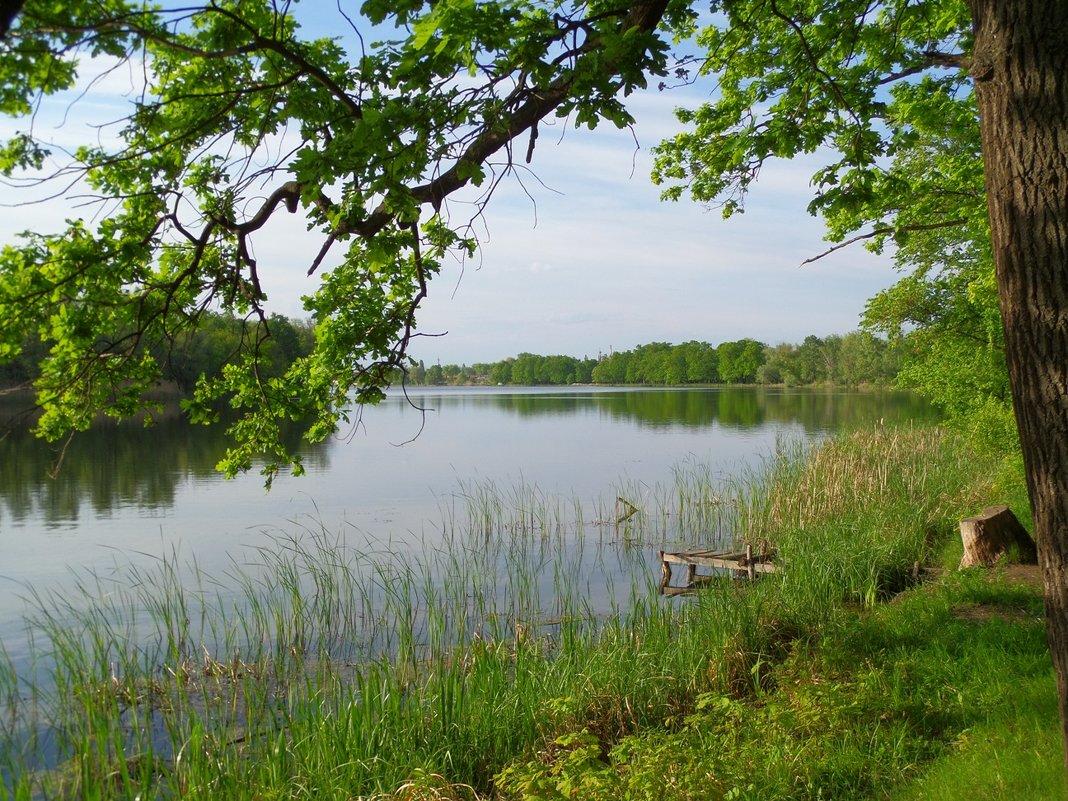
{"points": [[749, 566], [665, 573], [691, 574]]}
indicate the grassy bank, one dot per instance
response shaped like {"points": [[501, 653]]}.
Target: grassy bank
{"points": [[480, 668], [946, 693]]}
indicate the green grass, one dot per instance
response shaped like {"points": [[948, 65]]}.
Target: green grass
{"points": [[480, 664], [908, 700], [1015, 754]]}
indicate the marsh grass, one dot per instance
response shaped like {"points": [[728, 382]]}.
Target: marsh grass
{"points": [[314, 669]]}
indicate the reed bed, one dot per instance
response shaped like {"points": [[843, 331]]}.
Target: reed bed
{"points": [[315, 669]]}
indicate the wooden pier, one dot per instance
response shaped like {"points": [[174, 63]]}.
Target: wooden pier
{"points": [[741, 564]]}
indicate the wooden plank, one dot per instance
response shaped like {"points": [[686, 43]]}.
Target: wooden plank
{"points": [[674, 591], [736, 563], [719, 559]]}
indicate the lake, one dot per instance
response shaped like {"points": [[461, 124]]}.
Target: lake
{"points": [[400, 480]]}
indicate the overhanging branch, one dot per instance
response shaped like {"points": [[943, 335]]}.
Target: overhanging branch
{"points": [[932, 58], [882, 231]]}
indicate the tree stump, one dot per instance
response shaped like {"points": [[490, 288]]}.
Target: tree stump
{"points": [[991, 535]]}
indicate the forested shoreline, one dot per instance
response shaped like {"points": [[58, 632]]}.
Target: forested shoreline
{"points": [[942, 363], [218, 340], [854, 359]]}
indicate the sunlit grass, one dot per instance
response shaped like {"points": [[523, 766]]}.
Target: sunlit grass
{"points": [[903, 701]]}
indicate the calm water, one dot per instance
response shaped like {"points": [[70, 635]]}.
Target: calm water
{"points": [[127, 493]]}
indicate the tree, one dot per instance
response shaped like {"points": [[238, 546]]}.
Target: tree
{"points": [[383, 140], [700, 360], [435, 376], [502, 372], [950, 332], [648, 364], [866, 359], [612, 369], [779, 365], [584, 370], [558, 370], [525, 369], [21, 371], [417, 373], [865, 79], [740, 360], [943, 314], [810, 363], [242, 118], [673, 368]]}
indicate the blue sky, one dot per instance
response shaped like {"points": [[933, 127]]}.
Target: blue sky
{"points": [[592, 260], [582, 257], [602, 263]]}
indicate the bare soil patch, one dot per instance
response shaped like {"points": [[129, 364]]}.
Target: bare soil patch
{"points": [[1028, 575], [1024, 576]]}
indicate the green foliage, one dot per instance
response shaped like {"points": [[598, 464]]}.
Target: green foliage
{"points": [[945, 309], [527, 369], [612, 369], [739, 361], [384, 133], [818, 690], [858, 358], [884, 89], [577, 770], [945, 317], [850, 714], [203, 351], [242, 116], [794, 77]]}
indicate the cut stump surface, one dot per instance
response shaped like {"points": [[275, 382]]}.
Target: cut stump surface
{"points": [[990, 536]]}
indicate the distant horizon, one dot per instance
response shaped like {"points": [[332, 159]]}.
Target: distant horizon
{"points": [[640, 344]]}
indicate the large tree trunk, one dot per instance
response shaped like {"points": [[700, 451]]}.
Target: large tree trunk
{"points": [[1020, 68]]}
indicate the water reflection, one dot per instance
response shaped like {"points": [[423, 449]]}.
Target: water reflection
{"points": [[109, 467], [116, 466], [736, 407]]}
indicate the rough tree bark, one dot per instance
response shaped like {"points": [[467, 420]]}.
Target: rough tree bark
{"points": [[1020, 68]]}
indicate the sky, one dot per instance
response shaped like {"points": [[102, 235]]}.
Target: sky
{"points": [[601, 263], [579, 255]]}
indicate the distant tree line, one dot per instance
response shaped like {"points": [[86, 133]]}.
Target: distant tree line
{"points": [[852, 359], [219, 339], [526, 369]]}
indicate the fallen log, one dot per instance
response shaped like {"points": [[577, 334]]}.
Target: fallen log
{"points": [[992, 536]]}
